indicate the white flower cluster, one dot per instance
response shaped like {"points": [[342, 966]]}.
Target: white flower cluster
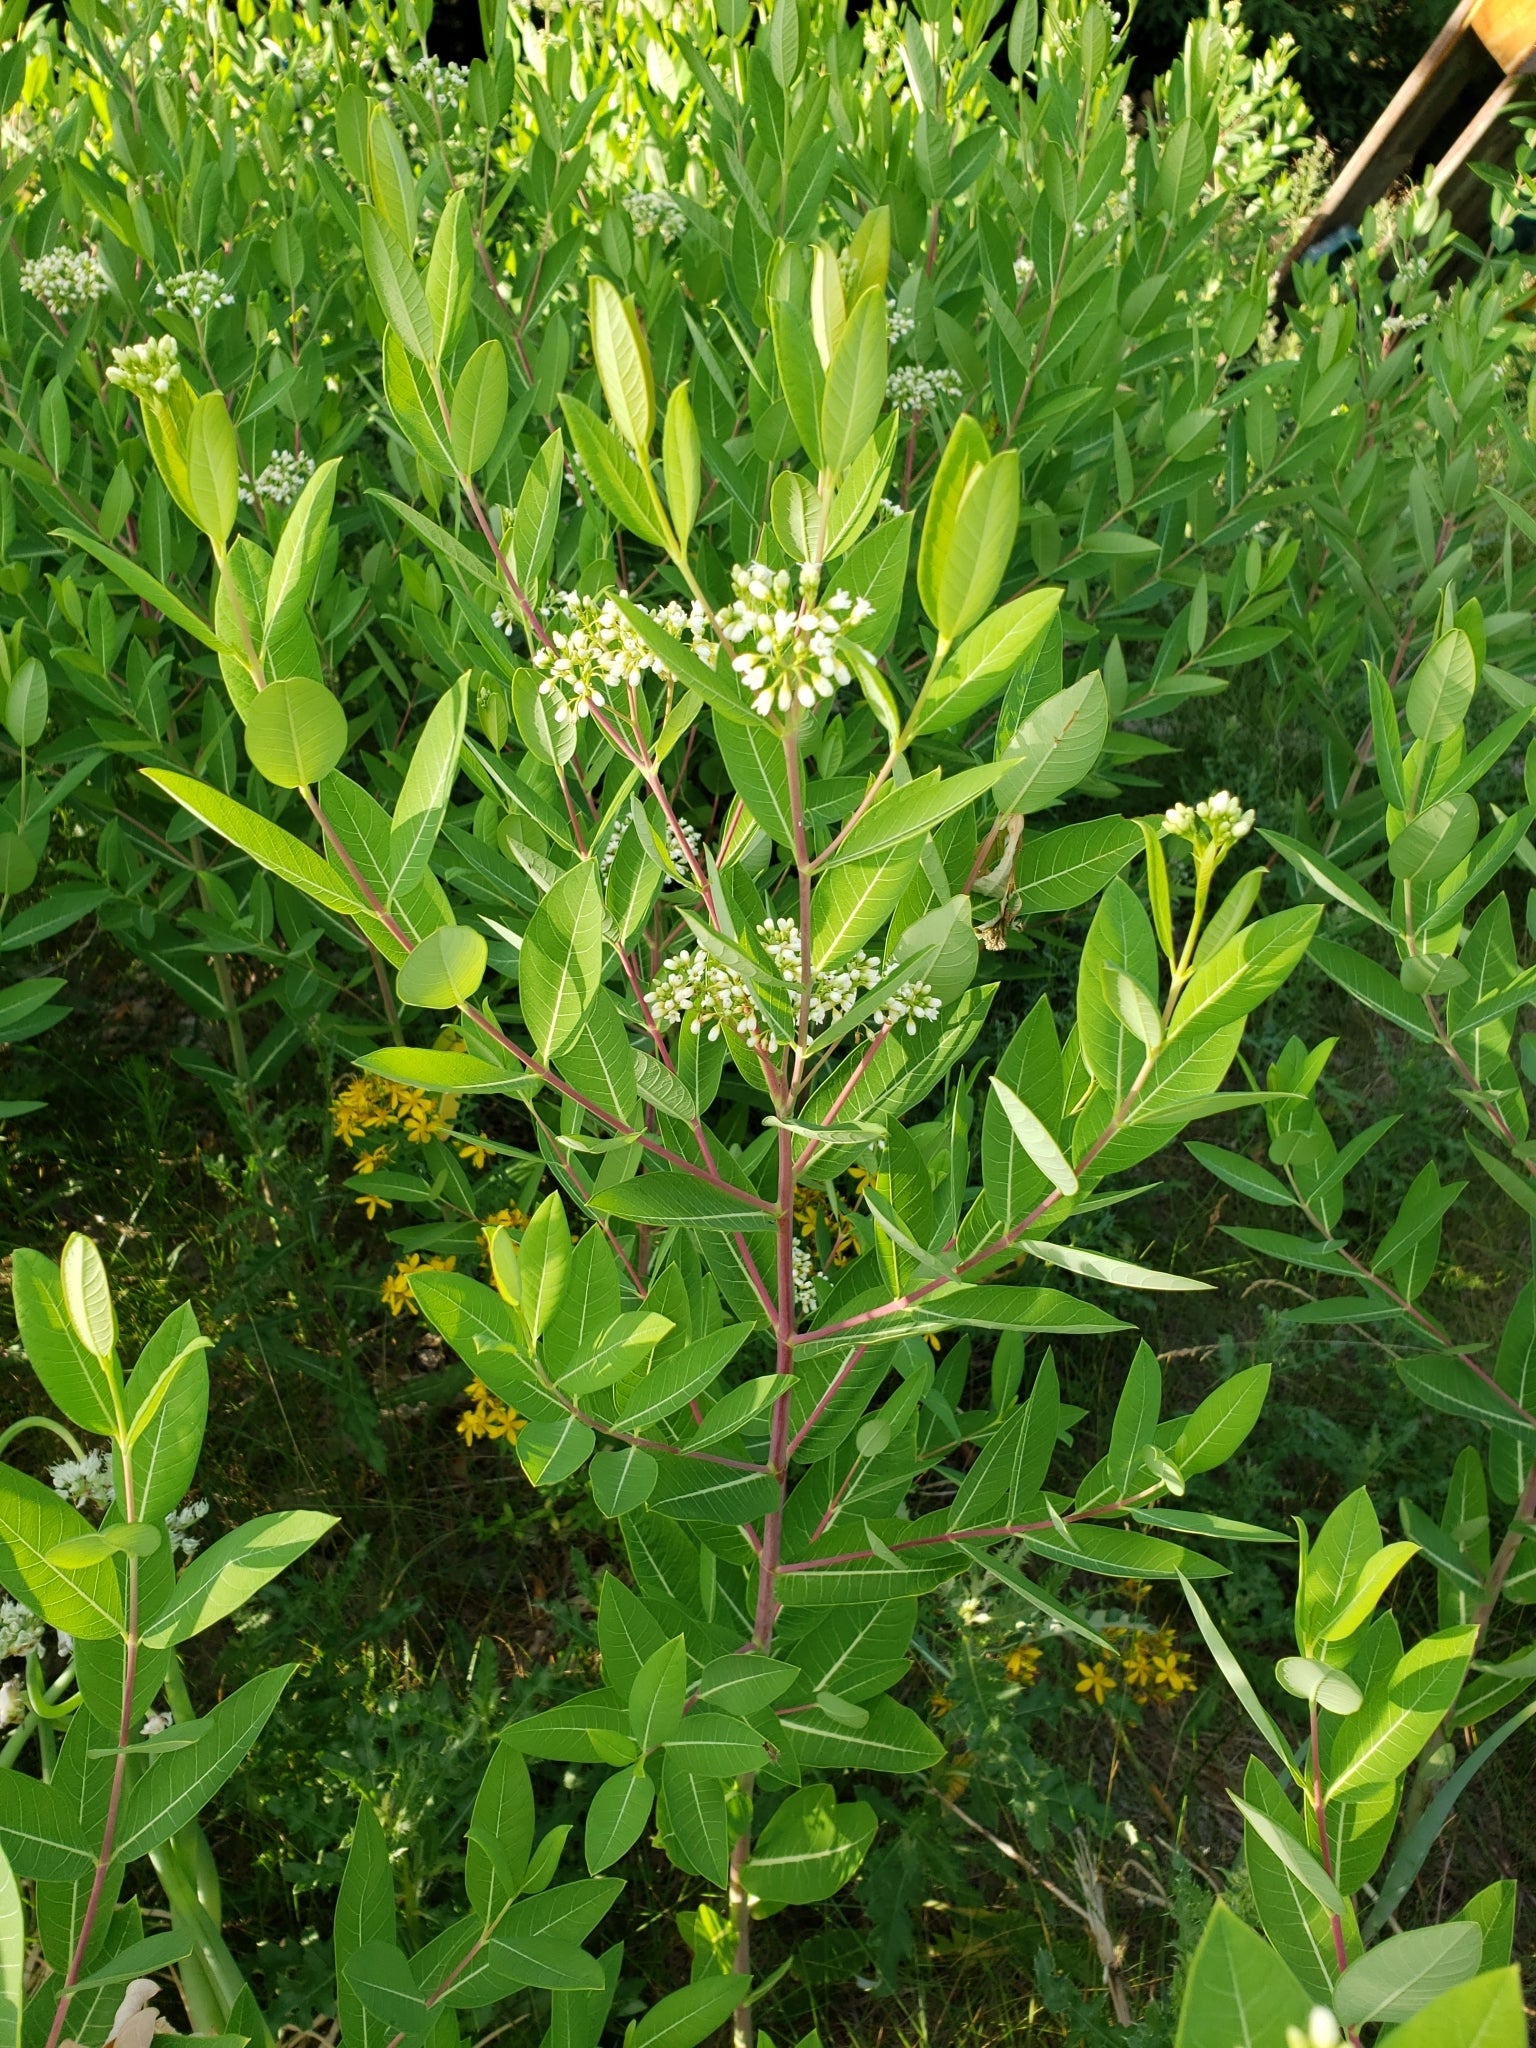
{"points": [[656, 213], [1219, 822], [439, 80], [788, 648], [66, 280], [195, 292], [1023, 272], [597, 651], [20, 1630], [281, 481], [898, 323], [710, 997], [682, 841], [917, 391], [87, 1483], [835, 990], [178, 1525], [805, 1281], [912, 1004], [84, 1482], [146, 368]]}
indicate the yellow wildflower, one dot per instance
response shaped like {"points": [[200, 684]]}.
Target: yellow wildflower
{"points": [[488, 1417], [939, 1706], [396, 1290], [372, 1160], [373, 1204], [505, 1219], [1136, 1664], [862, 1178], [475, 1153], [424, 1121], [1096, 1680], [358, 1107], [1169, 1676], [1023, 1664]]}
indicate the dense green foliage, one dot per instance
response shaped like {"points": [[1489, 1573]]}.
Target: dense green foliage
{"points": [[637, 596]]}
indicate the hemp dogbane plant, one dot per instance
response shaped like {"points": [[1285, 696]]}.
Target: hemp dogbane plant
{"points": [[120, 1778], [707, 1030]]}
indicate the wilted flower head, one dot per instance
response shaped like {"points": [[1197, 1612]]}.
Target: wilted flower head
{"points": [[66, 280], [146, 368], [789, 643]]}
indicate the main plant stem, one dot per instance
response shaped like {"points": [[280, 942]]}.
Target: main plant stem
{"points": [[780, 1430]]}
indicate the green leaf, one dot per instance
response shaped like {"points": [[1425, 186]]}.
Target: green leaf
{"points": [[810, 1848], [178, 1786], [1372, 985], [426, 790], [681, 461], [615, 475], [1247, 970], [13, 1958], [1300, 1861], [73, 1379], [393, 277], [85, 1602], [682, 1376], [450, 273], [40, 1836], [1055, 747], [1440, 693], [213, 467], [220, 1579], [1402, 1974], [1330, 879], [500, 1833], [656, 1696], [276, 850], [380, 1978], [623, 1480], [684, 2018], [616, 1818], [678, 1198], [296, 560], [295, 732], [551, 1451], [1059, 870], [444, 969], [855, 385], [1239, 1994], [561, 961], [1222, 1422], [1245, 1175], [479, 406], [893, 1739], [714, 1745], [983, 662], [1383, 1739], [139, 1959], [623, 363], [1238, 1679], [1487, 2013]]}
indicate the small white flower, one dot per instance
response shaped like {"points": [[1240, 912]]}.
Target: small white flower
{"points": [[84, 1482], [66, 280], [13, 1702], [898, 323], [973, 1614], [1216, 823], [683, 841], [709, 998], [916, 391], [805, 1281], [195, 292], [787, 643], [592, 650], [20, 1630], [439, 80], [146, 368], [281, 481], [156, 1724], [179, 1522], [1322, 2031], [656, 213], [1023, 272], [913, 1003]]}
